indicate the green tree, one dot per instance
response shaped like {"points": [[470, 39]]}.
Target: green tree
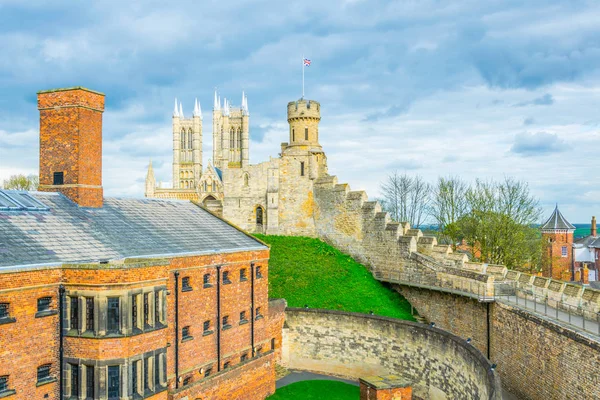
{"points": [[21, 182]]}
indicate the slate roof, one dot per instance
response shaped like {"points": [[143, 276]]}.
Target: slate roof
{"points": [[121, 228], [589, 241], [557, 222]]}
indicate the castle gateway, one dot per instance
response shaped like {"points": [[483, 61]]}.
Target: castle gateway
{"points": [[273, 197]]}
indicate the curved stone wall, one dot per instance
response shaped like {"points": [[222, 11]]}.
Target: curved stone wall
{"points": [[439, 364]]}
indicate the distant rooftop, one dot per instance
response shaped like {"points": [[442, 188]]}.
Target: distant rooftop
{"points": [[55, 230], [557, 222]]}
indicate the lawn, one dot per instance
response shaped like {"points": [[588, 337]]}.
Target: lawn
{"points": [[317, 390], [308, 271]]}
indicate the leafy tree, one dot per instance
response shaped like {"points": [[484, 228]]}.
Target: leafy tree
{"points": [[448, 205], [21, 182]]}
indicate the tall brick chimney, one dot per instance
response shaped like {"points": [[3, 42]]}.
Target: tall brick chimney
{"points": [[71, 144], [594, 231]]}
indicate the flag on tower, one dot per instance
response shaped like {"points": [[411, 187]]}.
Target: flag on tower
{"points": [[306, 62]]}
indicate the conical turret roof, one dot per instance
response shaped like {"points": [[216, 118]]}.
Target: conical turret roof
{"points": [[557, 222]]}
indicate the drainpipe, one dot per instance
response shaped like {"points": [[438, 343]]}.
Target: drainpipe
{"points": [[488, 330], [61, 319], [252, 307], [218, 324], [176, 329]]}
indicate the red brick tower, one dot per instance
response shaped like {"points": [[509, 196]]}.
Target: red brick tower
{"points": [[71, 144], [557, 236]]}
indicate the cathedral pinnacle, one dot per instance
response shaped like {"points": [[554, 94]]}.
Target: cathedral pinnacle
{"points": [[175, 112], [197, 109], [216, 102], [225, 107], [180, 110]]}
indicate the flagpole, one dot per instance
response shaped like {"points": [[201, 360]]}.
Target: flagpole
{"points": [[302, 76]]}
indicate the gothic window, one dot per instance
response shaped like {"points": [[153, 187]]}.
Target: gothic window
{"points": [[214, 186], [231, 138], [239, 137], [190, 139], [182, 142], [205, 186]]}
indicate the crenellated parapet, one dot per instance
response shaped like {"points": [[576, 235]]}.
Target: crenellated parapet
{"points": [[395, 252]]}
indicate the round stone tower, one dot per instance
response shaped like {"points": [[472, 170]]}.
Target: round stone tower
{"points": [[303, 117]]}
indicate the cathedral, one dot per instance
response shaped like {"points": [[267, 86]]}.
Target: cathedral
{"points": [[273, 197]]}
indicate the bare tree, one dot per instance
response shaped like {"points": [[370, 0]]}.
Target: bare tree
{"points": [[406, 198], [448, 205], [21, 182]]}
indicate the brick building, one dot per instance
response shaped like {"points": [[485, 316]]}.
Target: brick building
{"points": [[557, 257], [105, 298]]}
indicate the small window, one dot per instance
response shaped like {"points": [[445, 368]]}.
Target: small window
{"points": [[59, 178], [134, 311], [43, 373], [147, 374], [74, 313], [185, 332], [74, 380], [273, 344], [208, 372], [112, 316], [226, 322], [226, 280], [306, 133], [206, 326], [302, 168], [293, 135], [147, 310], [243, 318], [187, 381], [246, 180], [185, 284], [227, 365], [114, 382], [258, 273], [43, 304], [206, 281], [157, 313], [89, 382], [258, 314], [243, 276], [3, 383], [89, 314], [244, 357], [564, 251], [4, 311]]}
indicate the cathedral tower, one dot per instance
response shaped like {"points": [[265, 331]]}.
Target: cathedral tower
{"points": [[187, 147], [231, 138]]}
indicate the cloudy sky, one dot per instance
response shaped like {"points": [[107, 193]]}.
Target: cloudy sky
{"points": [[478, 89]]}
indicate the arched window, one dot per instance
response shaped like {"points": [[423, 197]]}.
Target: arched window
{"points": [[205, 186], [246, 179], [214, 186], [239, 137], [260, 218], [231, 138], [182, 140], [190, 136]]}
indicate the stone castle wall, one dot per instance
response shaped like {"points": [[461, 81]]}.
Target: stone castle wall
{"points": [[536, 358], [437, 364]]}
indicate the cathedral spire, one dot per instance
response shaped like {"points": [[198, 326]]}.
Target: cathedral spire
{"points": [[225, 107], [180, 110], [246, 105], [150, 181], [217, 102], [175, 112], [197, 112]]}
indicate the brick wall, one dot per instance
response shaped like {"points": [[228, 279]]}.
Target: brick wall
{"points": [[554, 265], [436, 362], [132, 281]]}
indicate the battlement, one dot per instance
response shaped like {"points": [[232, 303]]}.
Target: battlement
{"points": [[304, 109]]}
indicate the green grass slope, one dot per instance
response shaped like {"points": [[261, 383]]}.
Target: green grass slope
{"points": [[317, 390], [308, 271]]}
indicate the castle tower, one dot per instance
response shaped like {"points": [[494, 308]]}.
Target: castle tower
{"points": [[187, 147], [231, 137], [302, 162], [71, 144], [557, 236]]}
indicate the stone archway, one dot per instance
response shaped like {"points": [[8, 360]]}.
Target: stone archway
{"points": [[214, 205]]}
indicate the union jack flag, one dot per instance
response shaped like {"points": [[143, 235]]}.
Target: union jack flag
{"points": [[306, 62]]}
